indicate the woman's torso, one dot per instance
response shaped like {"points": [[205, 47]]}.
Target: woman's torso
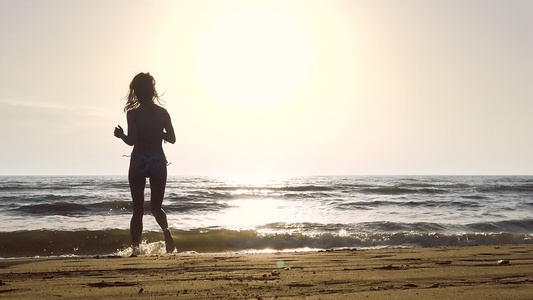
{"points": [[150, 123]]}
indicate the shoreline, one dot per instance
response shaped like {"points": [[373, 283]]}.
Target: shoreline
{"points": [[455, 272], [53, 243]]}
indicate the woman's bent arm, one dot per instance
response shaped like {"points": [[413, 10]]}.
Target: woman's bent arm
{"points": [[132, 131], [169, 134]]}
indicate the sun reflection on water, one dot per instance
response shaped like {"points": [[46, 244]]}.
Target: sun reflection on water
{"points": [[251, 179], [253, 212]]}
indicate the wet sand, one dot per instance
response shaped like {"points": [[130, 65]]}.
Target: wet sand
{"points": [[477, 272]]}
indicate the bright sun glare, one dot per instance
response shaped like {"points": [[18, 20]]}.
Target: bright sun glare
{"points": [[253, 57]]}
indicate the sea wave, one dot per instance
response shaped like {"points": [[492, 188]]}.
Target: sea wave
{"points": [[398, 190], [409, 204], [112, 207], [524, 226], [107, 242], [75, 209], [67, 215]]}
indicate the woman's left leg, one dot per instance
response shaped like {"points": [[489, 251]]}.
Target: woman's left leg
{"points": [[158, 181]]}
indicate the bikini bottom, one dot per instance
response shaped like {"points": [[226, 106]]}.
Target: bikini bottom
{"points": [[148, 162]]}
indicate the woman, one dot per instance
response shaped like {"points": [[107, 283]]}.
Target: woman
{"points": [[148, 125]]}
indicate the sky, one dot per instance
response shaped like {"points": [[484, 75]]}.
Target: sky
{"points": [[257, 87]]}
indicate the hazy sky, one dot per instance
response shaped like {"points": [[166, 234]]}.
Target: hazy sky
{"points": [[259, 87]]}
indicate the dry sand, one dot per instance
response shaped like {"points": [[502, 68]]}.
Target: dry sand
{"points": [[478, 272]]}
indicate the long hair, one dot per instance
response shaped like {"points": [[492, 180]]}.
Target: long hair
{"points": [[142, 91]]}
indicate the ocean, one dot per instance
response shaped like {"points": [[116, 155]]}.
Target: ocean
{"points": [[89, 215]]}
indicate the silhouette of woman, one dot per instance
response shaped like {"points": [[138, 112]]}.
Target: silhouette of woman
{"points": [[148, 125]]}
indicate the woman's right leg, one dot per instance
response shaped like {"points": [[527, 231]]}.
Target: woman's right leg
{"points": [[137, 183]]}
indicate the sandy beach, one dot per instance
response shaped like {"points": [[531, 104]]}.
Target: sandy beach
{"points": [[476, 272]]}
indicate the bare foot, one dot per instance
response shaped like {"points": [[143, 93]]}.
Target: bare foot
{"points": [[169, 241], [136, 251]]}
